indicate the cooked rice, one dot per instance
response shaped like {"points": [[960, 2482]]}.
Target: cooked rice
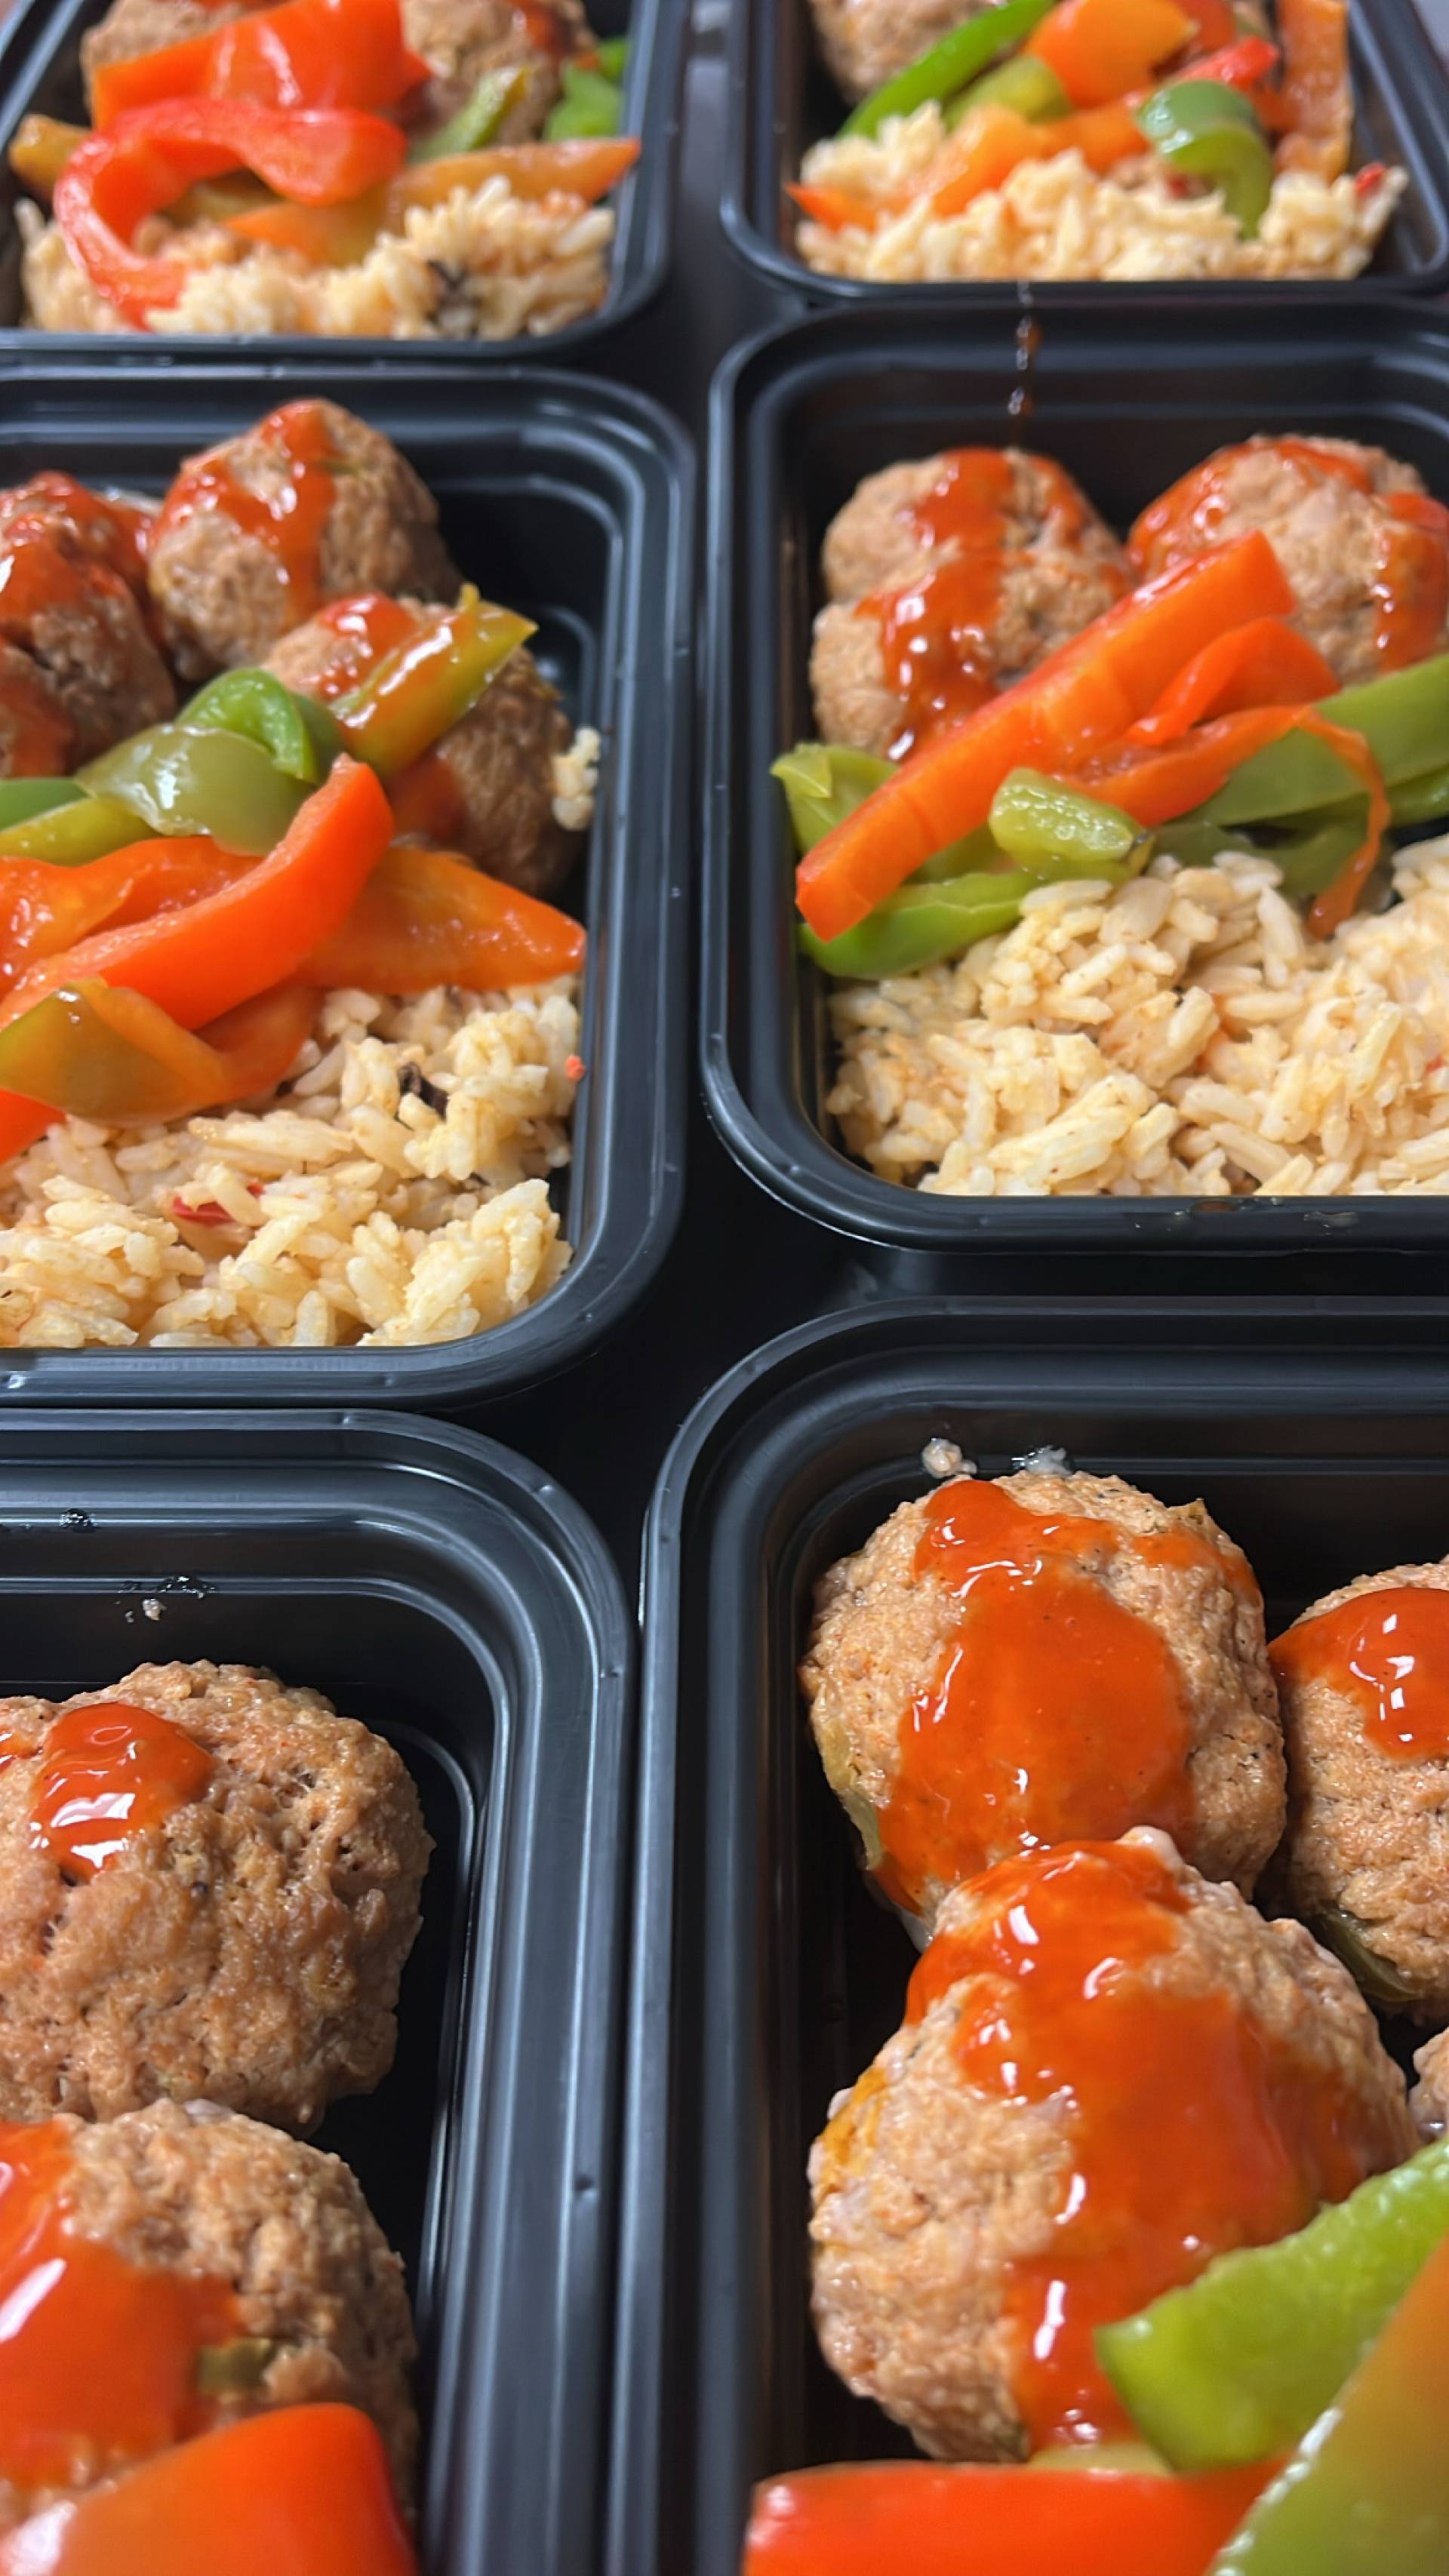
{"points": [[1181, 1036], [484, 265], [1055, 219], [394, 1190]]}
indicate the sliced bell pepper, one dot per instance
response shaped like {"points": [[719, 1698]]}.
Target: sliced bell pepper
{"points": [[1244, 65], [325, 236], [1083, 697], [1403, 717], [424, 918], [1213, 23], [912, 2518], [1317, 86], [532, 170], [1102, 49], [946, 67], [823, 782], [1267, 663], [589, 105], [46, 909], [297, 735], [22, 799], [839, 210], [428, 683], [997, 141], [1204, 130], [920, 925], [93, 1050], [1421, 800], [304, 53], [477, 121], [39, 150], [1038, 821], [73, 834], [301, 2491], [197, 778], [1021, 82], [152, 154]]}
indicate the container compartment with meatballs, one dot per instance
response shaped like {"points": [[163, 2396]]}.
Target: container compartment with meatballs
{"points": [[421, 170], [968, 146], [317, 778], [1090, 703], [310, 1965], [1060, 1712]]}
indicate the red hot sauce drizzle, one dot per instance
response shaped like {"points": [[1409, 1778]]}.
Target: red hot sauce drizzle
{"points": [[1055, 1712], [362, 631], [1389, 1652], [109, 1771], [289, 517], [1188, 2131]]}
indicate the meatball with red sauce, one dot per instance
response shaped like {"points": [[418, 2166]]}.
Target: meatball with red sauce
{"points": [[466, 41], [79, 664]]}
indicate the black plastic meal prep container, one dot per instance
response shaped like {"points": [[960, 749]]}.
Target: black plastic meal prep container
{"points": [[1126, 403], [572, 501], [782, 100], [768, 1975], [40, 74], [451, 1596]]}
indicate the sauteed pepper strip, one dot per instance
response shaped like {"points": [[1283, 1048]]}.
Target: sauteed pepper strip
{"points": [[1266, 663], [306, 53], [425, 918], [1102, 49], [947, 67], [199, 778], [336, 235], [427, 683], [1317, 87], [44, 909], [93, 1050]]}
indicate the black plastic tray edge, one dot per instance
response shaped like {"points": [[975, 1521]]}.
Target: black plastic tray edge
{"points": [[649, 1076], [518, 2450], [1388, 33], [1320, 1341], [38, 31], [816, 1178]]}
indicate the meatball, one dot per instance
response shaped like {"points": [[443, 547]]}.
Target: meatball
{"points": [[257, 533], [283, 2289], [242, 1938], [1363, 547], [70, 605], [1110, 2070], [494, 798], [132, 27], [866, 42], [465, 40], [1363, 1683], [1429, 2100], [947, 579], [1023, 1662]]}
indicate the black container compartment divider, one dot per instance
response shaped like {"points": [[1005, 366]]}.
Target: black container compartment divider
{"points": [[782, 100], [40, 75], [766, 1976], [571, 500], [1126, 403], [453, 1597]]}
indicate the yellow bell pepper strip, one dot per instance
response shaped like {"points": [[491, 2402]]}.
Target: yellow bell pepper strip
{"points": [[73, 834], [425, 918], [478, 120], [45, 910], [198, 778], [1204, 130], [338, 236], [1101, 50], [1266, 663], [1317, 86], [947, 66], [428, 683], [1083, 698], [304, 53], [39, 150], [153, 154], [93, 1050]]}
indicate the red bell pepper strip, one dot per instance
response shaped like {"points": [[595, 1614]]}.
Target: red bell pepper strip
{"points": [[306, 53], [1239, 66], [302, 2491], [424, 918], [1317, 86], [908, 2518], [45, 909], [1083, 698], [1102, 50], [1267, 663], [153, 154], [337, 236], [1213, 23]]}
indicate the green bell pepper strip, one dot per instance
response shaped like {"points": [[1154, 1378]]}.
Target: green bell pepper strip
{"points": [[1294, 776], [1205, 130], [72, 835], [417, 693], [476, 122], [22, 798], [919, 925], [1034, 819], [1308, 861], [946, 67], [613, 53], [1404, 718], [824, 782], [183, 778], [1373, 1975], [257, 705], [589, 105], [1022, 83], [1421, 800]]}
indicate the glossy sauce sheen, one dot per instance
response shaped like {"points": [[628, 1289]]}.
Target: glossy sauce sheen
{"points": [[1411, 585], [290, 517], [98, 2356], [1188, 2130], [64, 552], [1056, 1712], [366, 629], [1389, 1651], [108, 1771]]}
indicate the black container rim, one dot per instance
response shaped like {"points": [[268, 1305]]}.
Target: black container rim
{"points": [[638, 959], [38, 32], [1389, 38], [759, 1117]]}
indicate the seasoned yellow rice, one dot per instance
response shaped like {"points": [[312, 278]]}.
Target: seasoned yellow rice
{"points": [[1181, 1036], [1055, 219], [483, 265]]}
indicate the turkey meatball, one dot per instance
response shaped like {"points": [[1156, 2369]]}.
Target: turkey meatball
{"points": [[241, 1935], [81, 668], [254, 535], [466, 40], [1364, 548], [1109, 2071], [1050, 1656]]}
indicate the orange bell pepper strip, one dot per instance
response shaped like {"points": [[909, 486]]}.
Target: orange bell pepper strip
{"points": [[998, 141], [1213, 23], [1083, 698], [305, 53], [1266, 663], [839, 210], [1102, 49], [1317, 86], [152, 155], [45, 909], [93, 1050], [911, 2518], [302, 2491], [326, 236], [426, 918], [336, 236]]}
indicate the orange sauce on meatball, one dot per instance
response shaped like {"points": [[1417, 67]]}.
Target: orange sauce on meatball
{"points": [[109, 1771], [1055, 1711], [366, 628], [288, 520], [1388, 1651], [1188, 2129], [98, 2355]]}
